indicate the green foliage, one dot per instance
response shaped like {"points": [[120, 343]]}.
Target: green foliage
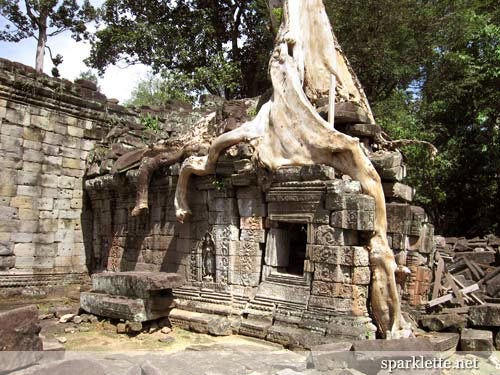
{"points": [[151, 122], [159, 90], [89, 75], [218, 47], [42, 19]]}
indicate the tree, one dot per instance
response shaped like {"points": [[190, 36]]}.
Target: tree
{"points": [[218, 46], [159, 90], [42, 19], [288, 131], [89, 75]]}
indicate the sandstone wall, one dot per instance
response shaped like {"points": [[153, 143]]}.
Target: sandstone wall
{"points": [[48, 129]]}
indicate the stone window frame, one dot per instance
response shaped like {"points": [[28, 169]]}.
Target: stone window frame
{"points": [[270, 274]]}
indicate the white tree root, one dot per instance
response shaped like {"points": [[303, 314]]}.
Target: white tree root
{"points": [[289, 131]]}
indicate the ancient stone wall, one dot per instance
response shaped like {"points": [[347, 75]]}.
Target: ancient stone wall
{"points": [[48, 129]]}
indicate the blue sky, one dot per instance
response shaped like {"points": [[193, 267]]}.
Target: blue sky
{"points": [[117, 82]]}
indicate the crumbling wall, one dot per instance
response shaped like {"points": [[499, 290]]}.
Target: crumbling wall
{"points": [[48, 129]]}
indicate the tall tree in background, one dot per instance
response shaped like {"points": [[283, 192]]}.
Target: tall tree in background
{"points": [[220, 46], [430, 69], [42, 19]]}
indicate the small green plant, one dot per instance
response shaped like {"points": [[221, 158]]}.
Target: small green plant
{"points": [[151, 122], [252, 112], [218, 183], [277, 15]]}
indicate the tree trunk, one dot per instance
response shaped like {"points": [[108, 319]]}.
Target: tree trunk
{"points": [[288, 131], [40, 48]]}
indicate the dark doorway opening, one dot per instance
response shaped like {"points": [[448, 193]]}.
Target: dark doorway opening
{"points": [[295, 247]]}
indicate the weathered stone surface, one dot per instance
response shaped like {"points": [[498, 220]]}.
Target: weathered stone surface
{"points": [[444, 341], [487, 315], [400, 345], [354, 220], [475, 340], [135, 284], [7, 262], [131, 309], [317, 172], [19, 331], [349, 201], [251, 207], [398, 191], [440, 322], [329, 356], [220, 327]]}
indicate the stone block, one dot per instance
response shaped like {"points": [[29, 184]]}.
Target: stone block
{"points": [[251, 207], [73, 163], [401, 345], [30, 226], [32, 134], [226, 205], [7, 262], [24, 249], [6, 246], [28, 214], [75, 132], [30, 191], [42, 262], [354, 220], [225, 233], [444, 341], [255, 235], [475, 340], [251, 223], [487, 315], [328, 357], [249, 193], [398, 217], [317, 172], [44, 203], [8, 190], [349, 201], [382, 160], [361, 276], [320, 288], [20, 237], [32, 167], [393, 174], [32, 155], [22, 202], [332, 273], [62, 204], [52, 214], [331, 303], [135, 284], [32, 145], [9, 225], [66, 182], [398, 191], [343, 255], [9, 213], [285, 174], [132, 309], [25, 262], [19, 329], [221, 218]]}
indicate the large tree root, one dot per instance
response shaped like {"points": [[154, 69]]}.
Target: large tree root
{"points": [[289, 131]]}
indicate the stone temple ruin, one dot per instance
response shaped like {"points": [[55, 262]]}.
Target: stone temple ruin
{"points": [[276, 253]]}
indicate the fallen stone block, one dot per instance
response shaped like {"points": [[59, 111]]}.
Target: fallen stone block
{"points": [[487, 315], [135, 284], [443, 341], [132, 309], [475, 340], [329, 356], [20, 345], [398, 191], [440, 322], [400, 345]]}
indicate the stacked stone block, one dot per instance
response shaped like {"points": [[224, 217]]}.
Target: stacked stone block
{"points": [[48, 129]]}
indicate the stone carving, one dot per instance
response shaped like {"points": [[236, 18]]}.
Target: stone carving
{"points": [[208, 254]]}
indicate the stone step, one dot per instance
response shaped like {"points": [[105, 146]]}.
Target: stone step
{"points": [[136, 284], [132, 309]]}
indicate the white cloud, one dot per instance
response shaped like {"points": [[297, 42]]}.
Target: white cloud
{"points": [[116, 83]]}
